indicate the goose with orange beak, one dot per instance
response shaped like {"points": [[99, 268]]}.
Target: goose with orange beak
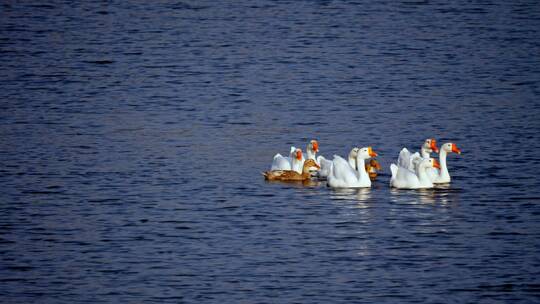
{"points": [[444, 176], [297, 163], [344, 175], [403, 178], [430, 145], [326, 164], [292, 162], [406, 158], [311, 151]]}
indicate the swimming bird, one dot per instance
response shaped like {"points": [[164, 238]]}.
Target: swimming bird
{"points": [[372, 167], [429, 145], [403, 178], [443, 177], [291, 175], [292, 162], [344, 175], [326, 164], [311, 151]]}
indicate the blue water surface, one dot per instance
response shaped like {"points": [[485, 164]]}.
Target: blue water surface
{"points": [[133, 135]]}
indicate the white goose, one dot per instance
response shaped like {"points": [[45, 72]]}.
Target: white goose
{"points": [[403, 178], [326, 164], [406, 160], [311, 151], [292, 162], [430, 145], [280, 162], [345, 176], [443, 177]]}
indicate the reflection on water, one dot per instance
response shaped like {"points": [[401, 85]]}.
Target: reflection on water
{"points": [[298, 184], [442, 194], [360, 195]]}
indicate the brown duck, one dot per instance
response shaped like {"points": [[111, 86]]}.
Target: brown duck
{"points": [[371, 168], [290, 175]]}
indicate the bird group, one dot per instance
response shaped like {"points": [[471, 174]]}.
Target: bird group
{"points": [[412, 171]]}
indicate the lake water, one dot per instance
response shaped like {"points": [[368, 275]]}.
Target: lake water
{"points": [[133, 136]]}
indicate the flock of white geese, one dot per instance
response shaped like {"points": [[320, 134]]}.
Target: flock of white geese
{"points": [[413, 170]]}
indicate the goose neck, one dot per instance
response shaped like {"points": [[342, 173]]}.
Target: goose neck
{"points": [[352, 160], [424, 152], [310, 153], [361, 167], [296, 165], [442, 162]]}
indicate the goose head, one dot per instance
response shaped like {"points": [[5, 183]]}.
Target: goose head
{"points": [[352, 157], [354, 152], [434, 163], [366, 153], [313, 146], [298, 154], [423, 163], [430, 145], [451, 148]]}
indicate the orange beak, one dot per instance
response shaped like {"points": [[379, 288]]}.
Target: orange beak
{"points": [[315, 145], [455, 149], [434, 146], [299, 154], [371, 153], [436, 164]]}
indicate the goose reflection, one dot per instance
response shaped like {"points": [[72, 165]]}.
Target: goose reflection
{"points": [[427, 196], [361, 194], [440, 194]]}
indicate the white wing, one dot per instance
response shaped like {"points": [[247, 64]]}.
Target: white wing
{"points": [[393, 169], [280, 163], [342, 171], [283, 162], [403, 178], [404, 158], [407, 160], [326, 166]]}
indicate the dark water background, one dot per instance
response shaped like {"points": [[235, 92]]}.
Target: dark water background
{"points": [[133, 135]]}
